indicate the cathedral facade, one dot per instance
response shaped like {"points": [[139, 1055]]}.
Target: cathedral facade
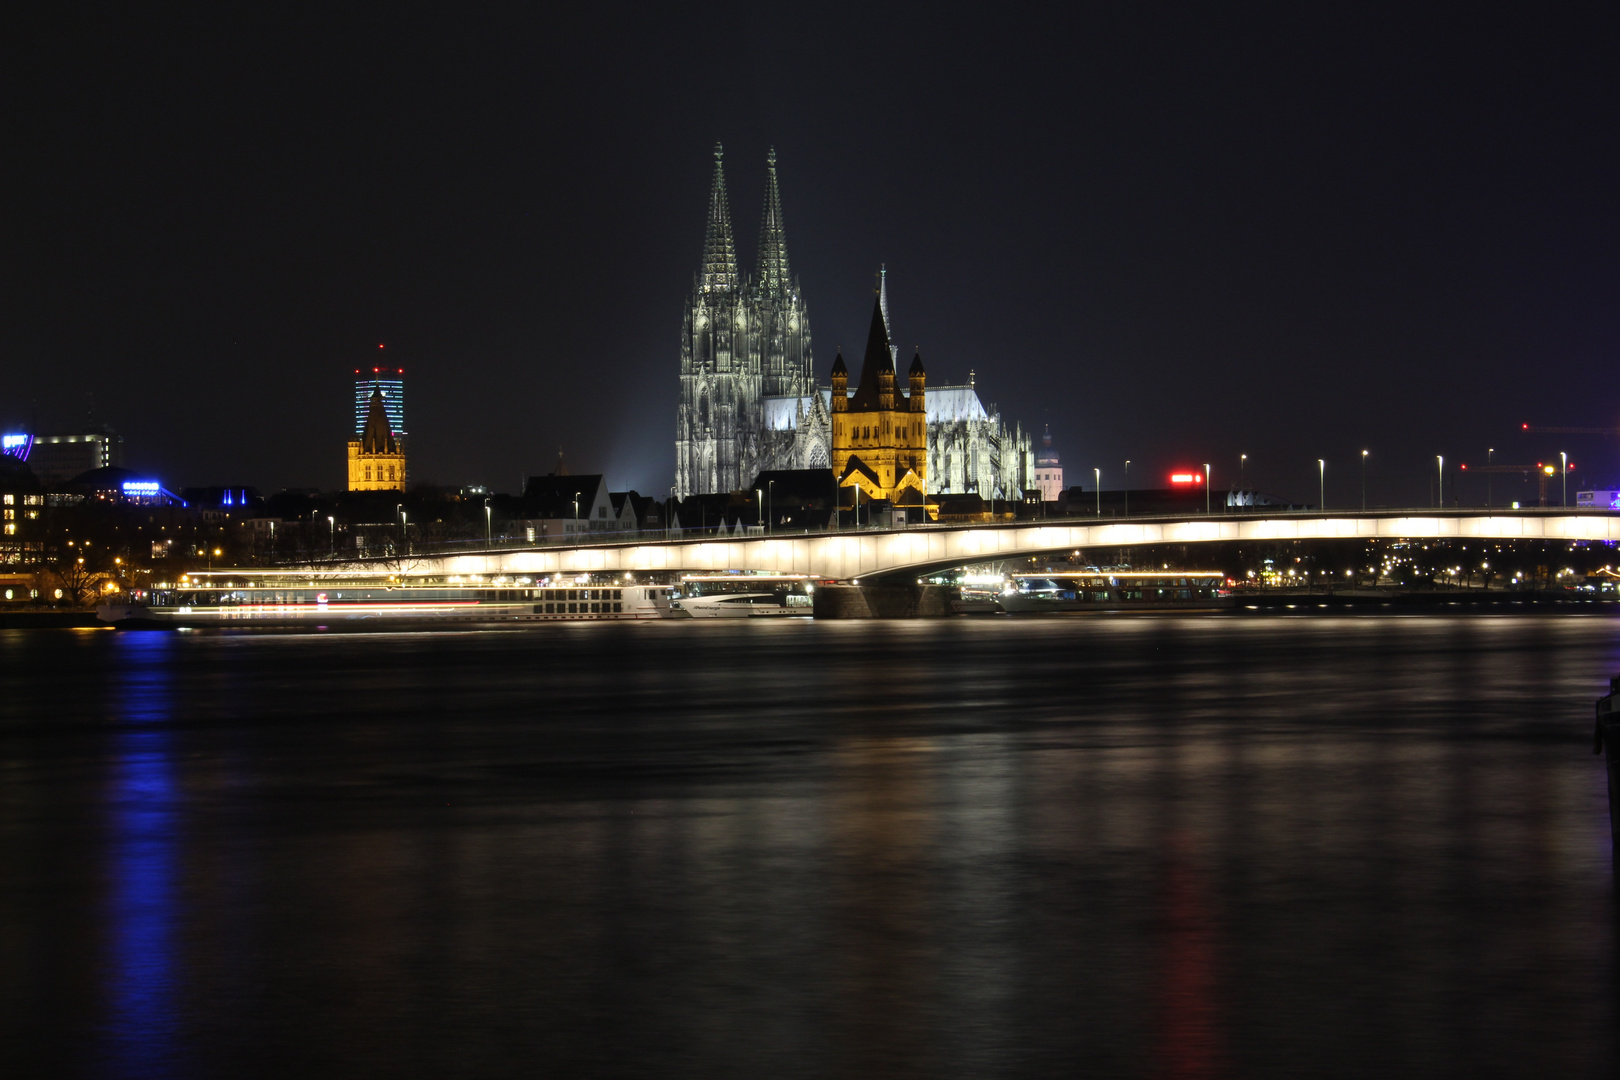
{"points": [[749, 400], [748, 397]]}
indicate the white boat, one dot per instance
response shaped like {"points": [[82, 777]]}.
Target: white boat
{"points": [[1113, 590], [246, 599], [739, 606]]}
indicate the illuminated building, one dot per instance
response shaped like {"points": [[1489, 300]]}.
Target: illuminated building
{"points": [[880, 435], [748, 398], [389, 380], [55, 458], [970, 449], [16, 446], [1048, 469], [376, 458]]}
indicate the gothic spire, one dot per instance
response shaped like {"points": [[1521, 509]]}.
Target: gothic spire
{"points": [[883, 305], [719, 251], [773, 260]]}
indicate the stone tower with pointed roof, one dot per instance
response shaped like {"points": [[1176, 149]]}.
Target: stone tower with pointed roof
{"points": [[376, 458], [880, 434], [748, 400]]}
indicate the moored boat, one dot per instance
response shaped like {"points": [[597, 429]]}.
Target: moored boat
{"points": [[280, 598]]}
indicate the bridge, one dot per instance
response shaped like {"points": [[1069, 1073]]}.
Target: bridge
{"points": [[905, 554]]}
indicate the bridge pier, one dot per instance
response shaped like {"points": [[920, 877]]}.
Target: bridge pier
{"points": [[883, 601]]}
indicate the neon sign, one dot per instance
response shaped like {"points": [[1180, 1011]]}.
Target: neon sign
{"points": [[1186, 478], [142, 487], [16, 446]]}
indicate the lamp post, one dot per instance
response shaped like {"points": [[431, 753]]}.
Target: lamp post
{"points": [[1099, 490], [1440, 464], [1206, 489], [576, 512], [1321, 483], [1243, 465], [331, 526], [489, 526], [1563, 460], [770, 500], [1364, 481], [1489, 453], [1127, 487], [759, 504]]}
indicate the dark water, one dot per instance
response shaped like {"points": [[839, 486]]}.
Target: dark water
{"points": [[1174, 846]]}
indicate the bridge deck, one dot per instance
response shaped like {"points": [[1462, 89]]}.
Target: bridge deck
{"points": [[846, 556]]}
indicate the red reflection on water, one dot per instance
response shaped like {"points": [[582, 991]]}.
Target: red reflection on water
{"points": [[1189, 1040]]}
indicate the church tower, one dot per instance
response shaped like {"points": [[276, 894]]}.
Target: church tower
{"points": [[376, 458], [880, 435], [781, 321], [717, 422]]}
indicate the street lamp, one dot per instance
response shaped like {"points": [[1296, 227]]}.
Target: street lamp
{"points": [[1206, 489], [1321, 484], [1440, 463], [489, 528], [1127, 487], [1364, 481], [1243, 464], [759, 504], [1563, 460], [1488, 455], [770, 499], [1099, 489], [576, 512], [331, 529]]}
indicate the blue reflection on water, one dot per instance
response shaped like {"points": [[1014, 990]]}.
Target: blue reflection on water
{"points": [[142, 854]]}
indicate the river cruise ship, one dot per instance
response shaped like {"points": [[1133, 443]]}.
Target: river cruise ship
{"points": [[280, 598], [1113, 590]]}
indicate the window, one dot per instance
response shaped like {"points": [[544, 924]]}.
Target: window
{"points": [[601, 511], [11, 500], [368, 472]]}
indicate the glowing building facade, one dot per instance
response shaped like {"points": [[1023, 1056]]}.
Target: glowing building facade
{"points": [[376, 458], [880, 435], [391, 382], [748, 399]]}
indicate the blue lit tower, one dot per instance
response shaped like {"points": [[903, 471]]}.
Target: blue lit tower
{"points": [[391, 381]]}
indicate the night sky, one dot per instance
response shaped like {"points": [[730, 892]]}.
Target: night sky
{"points": [[1176, 237]]}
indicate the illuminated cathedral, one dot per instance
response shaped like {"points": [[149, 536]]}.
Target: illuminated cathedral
{"points": [[749, 400]]}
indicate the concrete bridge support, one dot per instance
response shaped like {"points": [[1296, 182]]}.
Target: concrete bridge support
{"points": [[883, 601]]}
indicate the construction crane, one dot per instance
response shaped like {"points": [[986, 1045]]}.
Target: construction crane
{"points": [[1543, 474]]}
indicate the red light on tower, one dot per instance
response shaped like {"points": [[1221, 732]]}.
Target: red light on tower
{"points": [[1463, 467], [379, 345], [1524, 427]]}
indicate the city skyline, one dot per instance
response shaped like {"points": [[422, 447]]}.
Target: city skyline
{"points": [[1176, 242]]}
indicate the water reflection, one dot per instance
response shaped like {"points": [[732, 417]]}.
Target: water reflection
{"points": [[1179, 847], [143, 842]]}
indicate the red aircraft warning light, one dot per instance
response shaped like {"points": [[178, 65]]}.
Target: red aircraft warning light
{"points": [[1186, 478]]}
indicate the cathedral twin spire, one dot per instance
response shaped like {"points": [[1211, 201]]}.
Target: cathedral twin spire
{"points": [[719, 250], [720, 272]]}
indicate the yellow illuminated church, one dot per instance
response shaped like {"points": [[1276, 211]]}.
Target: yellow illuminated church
{"points": [[880, 436], [376, 458]]}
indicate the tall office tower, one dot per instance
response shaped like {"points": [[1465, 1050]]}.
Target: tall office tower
{"points": [[391, 381]]}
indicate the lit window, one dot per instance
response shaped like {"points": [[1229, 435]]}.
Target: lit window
{"points": [[11, 528]]}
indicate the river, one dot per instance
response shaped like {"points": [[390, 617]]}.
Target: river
{"points": [[1182, 846]]}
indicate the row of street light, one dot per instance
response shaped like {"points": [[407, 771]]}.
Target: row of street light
{"points": [[1321, 480]]}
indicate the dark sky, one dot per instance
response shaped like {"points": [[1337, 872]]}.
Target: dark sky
{"points": [[1175, 236]]}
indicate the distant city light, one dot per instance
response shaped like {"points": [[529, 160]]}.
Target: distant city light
{"points": [[16, 446]]}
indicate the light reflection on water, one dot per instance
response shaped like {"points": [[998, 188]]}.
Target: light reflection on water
{"points": [[1156, 846], [144, 833]]}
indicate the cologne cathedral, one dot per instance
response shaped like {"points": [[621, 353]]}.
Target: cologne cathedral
{"points": [[749, 400], [748, 394]]}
